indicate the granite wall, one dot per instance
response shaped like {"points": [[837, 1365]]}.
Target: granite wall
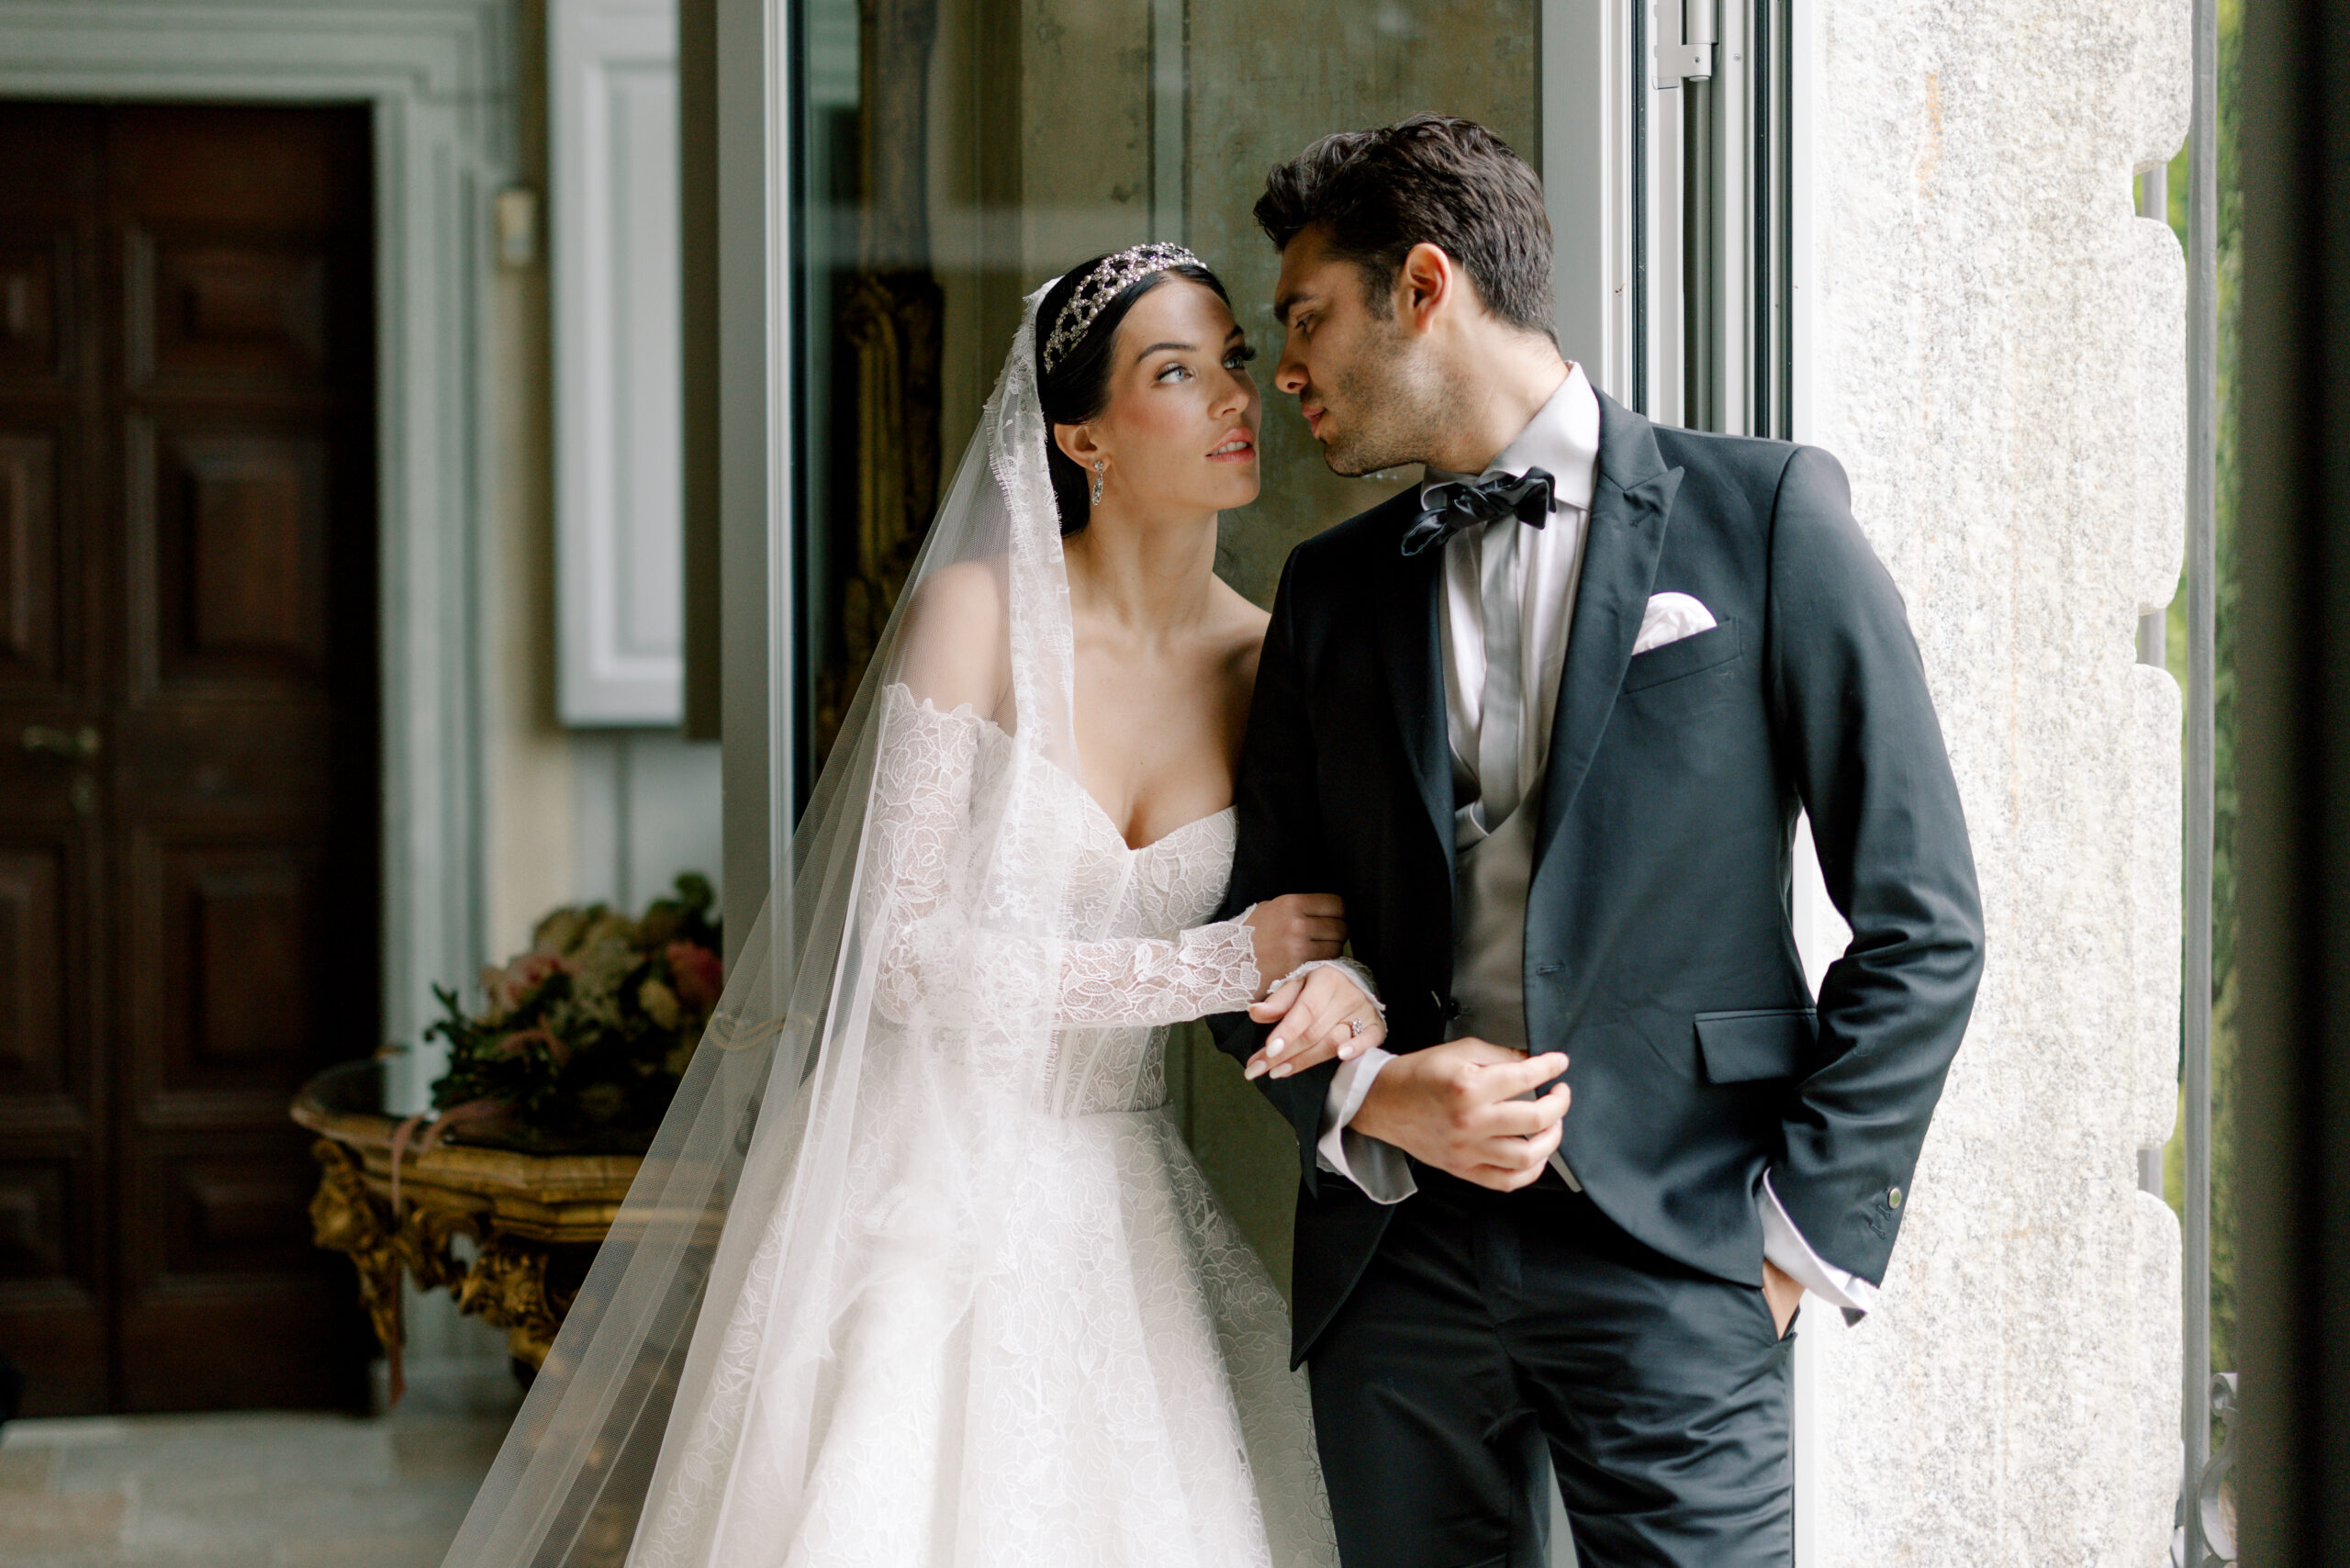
{"points": [[1997, 359]]}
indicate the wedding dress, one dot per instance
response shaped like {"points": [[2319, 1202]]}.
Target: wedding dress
{"points": [[1120, 1391], [919, 1271]]}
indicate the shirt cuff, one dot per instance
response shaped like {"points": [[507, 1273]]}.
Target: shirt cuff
{"points": [[1380, 1169], [1783, 1245]]}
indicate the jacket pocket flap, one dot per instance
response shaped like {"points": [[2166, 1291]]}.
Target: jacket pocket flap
{"points": [[1754, 1043], [1684, 655]]}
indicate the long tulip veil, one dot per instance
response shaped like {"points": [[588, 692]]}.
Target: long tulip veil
{"points": [[763, 1121]]}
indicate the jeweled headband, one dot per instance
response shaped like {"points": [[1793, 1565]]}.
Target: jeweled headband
{"points": [[1104, 283]]}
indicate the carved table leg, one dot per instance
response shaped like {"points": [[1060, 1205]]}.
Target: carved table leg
{"points": [[345, 1219], [508, 1286]]}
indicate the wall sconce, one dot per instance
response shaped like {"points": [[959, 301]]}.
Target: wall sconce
{"points": [[517, 228]]}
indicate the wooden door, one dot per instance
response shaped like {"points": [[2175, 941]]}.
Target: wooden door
{"points": [[188, 838]]}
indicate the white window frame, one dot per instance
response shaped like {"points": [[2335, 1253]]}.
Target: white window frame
{"points": [[619, 473], [1617, 238]]}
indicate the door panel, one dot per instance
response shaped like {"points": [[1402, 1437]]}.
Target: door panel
{"points": [[228, 556], [189, 843], [227, 971], [34, 1048], [37, 1219], [30, 539], [32, 283], [205, 312]]}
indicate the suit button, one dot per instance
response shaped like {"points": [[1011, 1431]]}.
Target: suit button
{"points": [[1893, 1199]]}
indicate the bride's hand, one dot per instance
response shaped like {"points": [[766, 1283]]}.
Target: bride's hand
{"points": [[1293, 929], [1324, 1017]]}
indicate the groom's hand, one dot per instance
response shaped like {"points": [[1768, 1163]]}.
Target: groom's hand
{"points": [[1456, 1106]]}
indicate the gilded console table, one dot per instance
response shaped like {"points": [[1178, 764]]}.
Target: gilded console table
{"points": [[534, 1220]]}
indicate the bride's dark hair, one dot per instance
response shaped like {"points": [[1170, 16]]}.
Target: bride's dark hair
{"points": [[1076, 387]]}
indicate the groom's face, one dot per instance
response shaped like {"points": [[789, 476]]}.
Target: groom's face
{"points": [[1359, 374]]}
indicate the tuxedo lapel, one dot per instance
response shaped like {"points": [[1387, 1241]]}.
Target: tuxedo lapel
{"points": [[1630, 504], [1414, 657]]}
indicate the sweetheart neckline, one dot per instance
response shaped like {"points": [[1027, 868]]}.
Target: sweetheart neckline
{"points": [[1100, 813]]}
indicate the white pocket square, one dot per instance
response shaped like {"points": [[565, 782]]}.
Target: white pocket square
{"points": [[1669, 618]]}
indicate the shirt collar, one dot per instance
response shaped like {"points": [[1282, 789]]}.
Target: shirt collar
{"points": [[1562, 438]]}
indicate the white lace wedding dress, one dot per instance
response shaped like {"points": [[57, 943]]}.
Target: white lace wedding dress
{"points": [[1111, 1389]]}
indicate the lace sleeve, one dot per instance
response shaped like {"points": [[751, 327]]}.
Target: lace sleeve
{"points": [[1207, 970], [938, 961]]}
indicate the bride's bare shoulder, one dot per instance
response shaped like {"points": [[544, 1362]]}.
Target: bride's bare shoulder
{"points": [[1241, 632], [954, 648]]}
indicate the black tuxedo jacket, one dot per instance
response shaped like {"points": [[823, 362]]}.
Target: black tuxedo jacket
{"points": [[1659, 949]]}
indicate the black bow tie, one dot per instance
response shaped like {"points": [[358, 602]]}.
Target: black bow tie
{"points": [[1459, 504]]}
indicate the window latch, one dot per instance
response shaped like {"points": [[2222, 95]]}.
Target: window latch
{"points": [[1685, 45]]}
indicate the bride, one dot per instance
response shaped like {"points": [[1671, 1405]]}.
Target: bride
{"points": [[919, 1271]]}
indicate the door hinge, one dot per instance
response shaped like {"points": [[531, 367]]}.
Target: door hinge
{"points": [[1685, 42]]}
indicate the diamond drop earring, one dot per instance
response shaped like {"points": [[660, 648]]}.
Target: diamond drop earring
{"points": [[1098, 479]]}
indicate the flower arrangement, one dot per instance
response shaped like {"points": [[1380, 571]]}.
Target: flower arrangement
{"points": [[580, 1041]]}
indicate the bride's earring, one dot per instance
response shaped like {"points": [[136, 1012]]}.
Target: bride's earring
{"points": [[1098, 480]]}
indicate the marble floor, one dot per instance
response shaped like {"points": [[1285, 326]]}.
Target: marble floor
{"points": [[239, 1491]]}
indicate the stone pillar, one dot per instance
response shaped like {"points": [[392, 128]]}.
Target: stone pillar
{"points": [[1996, 358]]}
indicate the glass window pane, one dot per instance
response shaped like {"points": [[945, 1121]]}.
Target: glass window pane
{"points": [[954, 155]]}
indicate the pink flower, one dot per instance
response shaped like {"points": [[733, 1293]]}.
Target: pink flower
{"points": [[514, 1044], [696, 975], [508, 987]]}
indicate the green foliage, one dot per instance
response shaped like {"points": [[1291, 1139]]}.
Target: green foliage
{"points": [[2223, 839], [580, 1041]]}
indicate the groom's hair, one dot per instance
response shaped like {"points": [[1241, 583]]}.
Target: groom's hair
{"points": [[1431, 179]]}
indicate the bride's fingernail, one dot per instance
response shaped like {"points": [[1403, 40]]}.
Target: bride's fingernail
{"points": [[1254, 1070], [1281, 1071], [1275, 1046]]}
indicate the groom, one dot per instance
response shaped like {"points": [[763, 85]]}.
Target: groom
{"points": [[1545, 721]]}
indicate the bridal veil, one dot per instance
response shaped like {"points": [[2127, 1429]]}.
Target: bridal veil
{"points": [[755, 1167]]}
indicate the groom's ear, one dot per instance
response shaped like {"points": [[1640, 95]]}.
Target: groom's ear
{"points": [[1429, 284]]}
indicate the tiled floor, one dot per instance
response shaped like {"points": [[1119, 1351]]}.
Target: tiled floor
{"points": [[254, 1491]]}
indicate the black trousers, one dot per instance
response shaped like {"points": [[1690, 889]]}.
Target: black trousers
{"points": [[1490, 1326]]}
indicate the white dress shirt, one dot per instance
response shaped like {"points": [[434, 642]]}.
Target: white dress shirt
{"points": [[1541, 568]]}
